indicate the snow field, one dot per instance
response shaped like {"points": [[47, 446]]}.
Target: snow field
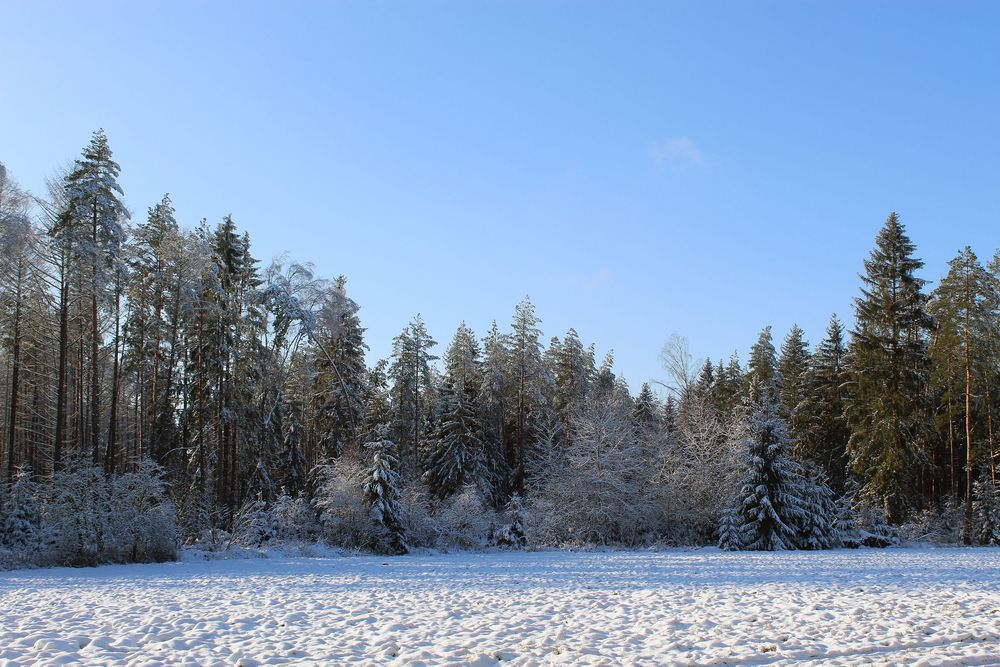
{"points": [[702, 607]]}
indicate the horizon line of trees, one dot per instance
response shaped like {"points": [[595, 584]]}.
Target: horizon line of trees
{"points": [[233, 392]]}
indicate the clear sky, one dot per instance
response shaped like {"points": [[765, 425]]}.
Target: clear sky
{"points": [[638, 168]]}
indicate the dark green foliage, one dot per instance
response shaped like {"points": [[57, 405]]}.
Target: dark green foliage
{"points": [[887, 408], [818, 421], [762, 378]]}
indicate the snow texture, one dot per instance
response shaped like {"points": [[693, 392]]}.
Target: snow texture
{"points": [[895, 606]]}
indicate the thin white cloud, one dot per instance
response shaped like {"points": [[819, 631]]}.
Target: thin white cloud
{"points": [[677, 151]]}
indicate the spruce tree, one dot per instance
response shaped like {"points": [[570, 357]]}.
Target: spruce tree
{"points": [[463, 362], [762, 376], [730, 530], [817, 528], [456, 454], [412, 391], [571, 371], [647, 408], [340, 370], [886, 407], [381, 492], [792, 367], [670, 414], [818, 422], [770, 502], [494, 401], [986, 511], [527, 379]]}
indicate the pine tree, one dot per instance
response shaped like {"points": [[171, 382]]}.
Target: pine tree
{"points": [[381, 492], [19, 245], [604, 383], [886, 409], [963, 307], [92, 228], [818, 422], [378, 411], [153, 326], [494, 401], [293, 462]]}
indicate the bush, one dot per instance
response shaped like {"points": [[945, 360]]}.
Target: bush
{"points": [[941, 525], [85, 518], [143, 523], [465, 520], [344, 516]]}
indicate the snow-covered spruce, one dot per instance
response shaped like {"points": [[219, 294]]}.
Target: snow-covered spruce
{"points": [[382, 494], [776, 506]]}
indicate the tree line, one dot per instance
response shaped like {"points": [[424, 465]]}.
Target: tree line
{"points": [[237, 397]]}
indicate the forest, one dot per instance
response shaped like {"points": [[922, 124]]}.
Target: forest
{"points": [[161, 386]]}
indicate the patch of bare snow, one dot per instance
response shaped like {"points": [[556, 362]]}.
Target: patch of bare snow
{"points": [[704, 607]]}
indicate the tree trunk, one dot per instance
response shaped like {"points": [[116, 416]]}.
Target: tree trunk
{"points": [[95, 382], [61, 384], [15, 375], [111, 453], [968, 411]]}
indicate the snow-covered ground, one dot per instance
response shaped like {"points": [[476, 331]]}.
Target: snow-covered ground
{"points": [[897, 606]]}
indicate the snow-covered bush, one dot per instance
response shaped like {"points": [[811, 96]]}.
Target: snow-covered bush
{"points": [[94, 519], [873, 526], [420, 526], [691, 465], [344, 516], [78, 511], [596, 490], [253, 524], [142, 520], [465, 520], [937, 525], [294, 519]]}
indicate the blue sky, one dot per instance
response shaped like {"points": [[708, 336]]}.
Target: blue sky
{"points": [[638, 168]]}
